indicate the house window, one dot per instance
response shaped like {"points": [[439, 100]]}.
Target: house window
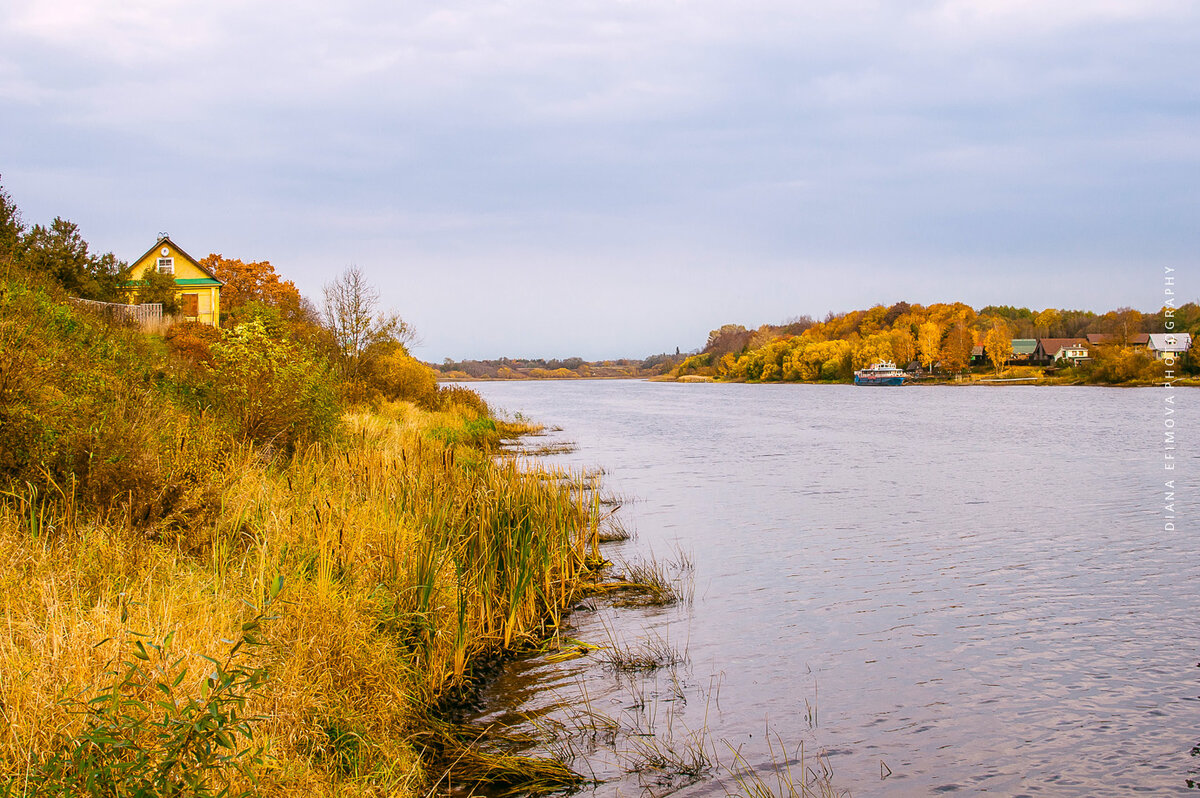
{"points": [[166, 265]]}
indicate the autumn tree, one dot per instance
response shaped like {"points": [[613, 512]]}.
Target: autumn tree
{"points": [[358, 323], [904, 346], [728, 338], [997, 344], [1122, 324], [254, 282], [929, 343], [956, 350], [1047, 321]]}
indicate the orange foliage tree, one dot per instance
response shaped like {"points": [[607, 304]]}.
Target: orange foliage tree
{"points": [[956, 349], [246, 283]]}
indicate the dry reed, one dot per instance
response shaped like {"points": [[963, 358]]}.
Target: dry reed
{"points": [[405, 558]]}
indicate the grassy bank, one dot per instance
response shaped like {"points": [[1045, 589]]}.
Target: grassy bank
{"points": [[183, 602]]}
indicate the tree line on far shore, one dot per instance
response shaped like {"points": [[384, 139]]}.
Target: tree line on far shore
{"points": [[941, 338], [506, 368]]}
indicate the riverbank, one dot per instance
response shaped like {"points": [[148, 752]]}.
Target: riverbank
{"points": [[399, 561], [968, 379], [217, 577]]}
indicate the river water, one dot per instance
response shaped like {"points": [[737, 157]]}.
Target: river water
{"points": [[926, 589]]}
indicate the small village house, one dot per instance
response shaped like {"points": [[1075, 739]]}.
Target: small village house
{"points": [[1134, 339], [1022, 351], [1051, 350], [1168, 345], [197, 289]]}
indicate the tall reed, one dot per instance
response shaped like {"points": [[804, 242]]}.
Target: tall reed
{"points": [[405, 557]]}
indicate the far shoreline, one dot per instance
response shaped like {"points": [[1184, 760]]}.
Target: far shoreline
{"points": [[926, 383]]}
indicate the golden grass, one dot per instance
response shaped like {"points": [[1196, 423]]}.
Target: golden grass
{"points": [[404, 558]]}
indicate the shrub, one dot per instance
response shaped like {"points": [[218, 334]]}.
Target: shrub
{"points": [[397, 375], [1117, 364], [192, 341], [450, 397], [270, 390]]}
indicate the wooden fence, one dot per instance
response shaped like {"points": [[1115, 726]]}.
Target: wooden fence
{"points": [[148, 314]]}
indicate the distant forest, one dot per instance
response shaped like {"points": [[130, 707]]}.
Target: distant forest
{"points": [[570, 368]]}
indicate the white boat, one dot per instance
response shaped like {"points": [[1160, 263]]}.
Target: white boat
{"points": [[881, 373]]}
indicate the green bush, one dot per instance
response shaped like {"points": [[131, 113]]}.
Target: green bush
{"points": [[159, 287], [481, 433], [147, 734], [270, 390]]}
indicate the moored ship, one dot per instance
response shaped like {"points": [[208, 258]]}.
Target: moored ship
{"points": [[882, 373]]}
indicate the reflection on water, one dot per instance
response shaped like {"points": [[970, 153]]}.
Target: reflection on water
{"points": [[971, 588]]}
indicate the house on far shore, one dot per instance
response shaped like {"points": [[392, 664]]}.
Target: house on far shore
{"points": [[1022, 351], [197, 289], [1051, 350], [1168, 345], [1135, 339]]}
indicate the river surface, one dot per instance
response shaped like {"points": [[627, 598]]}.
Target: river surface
{"points": [[928, 589]]}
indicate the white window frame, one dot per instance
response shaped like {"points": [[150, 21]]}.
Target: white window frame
{"points": [[166, 265]]}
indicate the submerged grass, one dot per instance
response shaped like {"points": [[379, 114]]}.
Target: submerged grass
{"points": [[790, 776], [649, 581]]}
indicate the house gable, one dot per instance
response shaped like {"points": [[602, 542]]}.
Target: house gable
{"points": [[197, 288], [187, 270], [1164, 344]]}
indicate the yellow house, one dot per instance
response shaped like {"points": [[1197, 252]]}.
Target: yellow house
{"points": [[197, 289]]}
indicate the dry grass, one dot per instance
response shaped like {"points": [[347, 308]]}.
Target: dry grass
{"points": [[403, 557]]}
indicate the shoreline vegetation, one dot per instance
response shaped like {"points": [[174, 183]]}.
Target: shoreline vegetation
{"points": [[267, 558], [274, 557], [953, 343]]}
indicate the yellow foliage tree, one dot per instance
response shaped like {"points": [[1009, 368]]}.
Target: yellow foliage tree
{"points": [[1047, 320], [929, 343], [997, 344], [904, 347], [873, 349]]}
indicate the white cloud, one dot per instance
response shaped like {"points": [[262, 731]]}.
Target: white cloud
{"points": [[671, 133]]}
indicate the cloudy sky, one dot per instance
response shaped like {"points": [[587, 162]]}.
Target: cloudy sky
{"points": [[607, 179]]}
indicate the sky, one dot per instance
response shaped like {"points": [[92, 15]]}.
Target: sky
{"points": [[614, 179]]}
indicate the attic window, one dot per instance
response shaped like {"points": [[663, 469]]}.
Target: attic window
{"points": [[166, 265]]}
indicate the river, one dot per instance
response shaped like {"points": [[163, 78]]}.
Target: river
{"points": [[928, 589]]}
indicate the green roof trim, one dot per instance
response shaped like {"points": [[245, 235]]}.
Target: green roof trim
{"points": [[191, 282]]}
